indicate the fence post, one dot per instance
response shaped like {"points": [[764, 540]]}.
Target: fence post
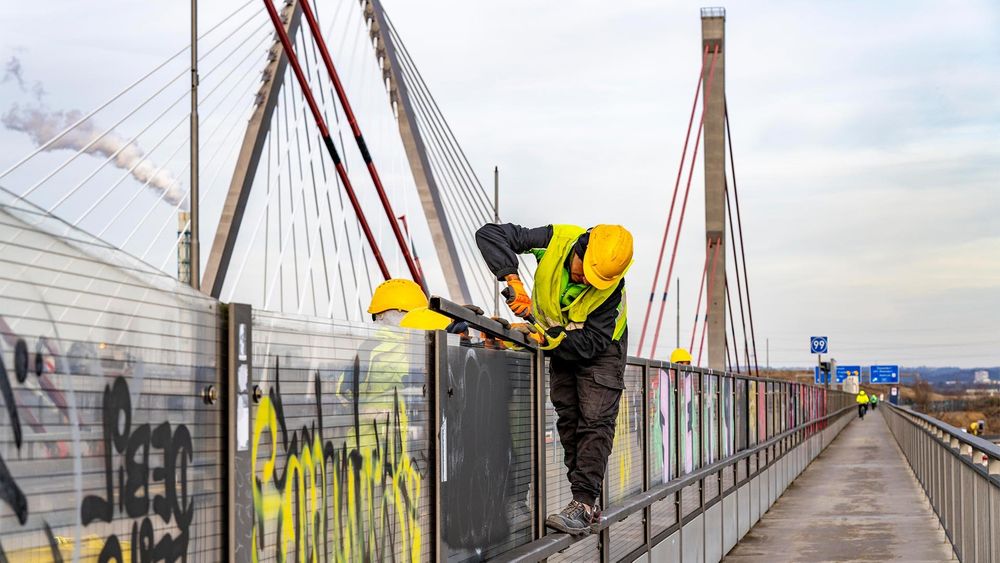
{"points": [[647, 512], [239, 416], [538, 426], [436, 393]]}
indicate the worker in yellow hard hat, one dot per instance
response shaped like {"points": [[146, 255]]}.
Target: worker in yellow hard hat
{"points": [[401, 302], [680, 356], [578, 299], [394, 303]]}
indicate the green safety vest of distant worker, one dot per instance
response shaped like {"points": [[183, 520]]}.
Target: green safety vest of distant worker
{"points": [[873, 399]]}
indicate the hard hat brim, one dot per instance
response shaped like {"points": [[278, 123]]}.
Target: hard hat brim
{"points": [[423, 318], [595, 279]]}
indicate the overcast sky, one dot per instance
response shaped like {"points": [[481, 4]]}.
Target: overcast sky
{"points": [[865, 137]]}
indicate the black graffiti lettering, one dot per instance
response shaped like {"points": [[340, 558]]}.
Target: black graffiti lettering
{"points": [[117, 405], [137, 473], [161, 440], [112, 551], [21, 360], [127, 452], [12, 494], [182, 450], [142, 541], [8, 400], [53, 545]]}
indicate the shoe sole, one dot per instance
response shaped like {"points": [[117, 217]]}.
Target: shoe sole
{"points": [[559, 526]]}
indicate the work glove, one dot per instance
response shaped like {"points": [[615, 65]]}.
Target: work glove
{"points": [[555, 336], [490, 341], [520, 305], [462, 327], [529, 332]]}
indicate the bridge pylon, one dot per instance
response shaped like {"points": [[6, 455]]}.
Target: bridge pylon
{"points": [[713, 29]]}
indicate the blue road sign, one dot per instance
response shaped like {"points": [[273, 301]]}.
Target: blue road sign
{"points": [[818, 376], [818, 344], [843, 372], [884, 374]]}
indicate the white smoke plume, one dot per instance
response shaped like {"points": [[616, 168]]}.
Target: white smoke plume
{"points": [[13, 71], [42, 125]]}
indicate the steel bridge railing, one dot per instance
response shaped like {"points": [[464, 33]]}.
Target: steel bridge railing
{"points": [[960, 474], [699, 456]]}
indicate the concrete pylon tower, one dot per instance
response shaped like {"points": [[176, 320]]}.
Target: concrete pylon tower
{"points": [[713, 29]]}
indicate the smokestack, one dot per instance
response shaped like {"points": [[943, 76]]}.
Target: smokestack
{"points": [[184, 247]]}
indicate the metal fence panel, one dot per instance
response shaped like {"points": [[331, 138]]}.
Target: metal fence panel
{"points": [[486, 448], [107, 446], [339, 441]]}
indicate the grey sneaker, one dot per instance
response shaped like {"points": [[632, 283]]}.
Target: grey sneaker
{"points": [[575, 519]]}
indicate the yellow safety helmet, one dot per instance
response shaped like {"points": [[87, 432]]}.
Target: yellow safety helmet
{"points": [[401, 294], [608, 255], [680, 355], [406, 295]]}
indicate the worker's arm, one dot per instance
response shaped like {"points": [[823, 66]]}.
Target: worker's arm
{"points": [[501, 243], [587, 343]]}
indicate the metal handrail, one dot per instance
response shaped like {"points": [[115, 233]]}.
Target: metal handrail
{"points": [[481, 322], [975, 442], [551, 544]]}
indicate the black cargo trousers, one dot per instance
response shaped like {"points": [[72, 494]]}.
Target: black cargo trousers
{"points": [[586, 398]]}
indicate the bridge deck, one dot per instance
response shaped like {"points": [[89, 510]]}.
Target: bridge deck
{"points": [[856, 501]]}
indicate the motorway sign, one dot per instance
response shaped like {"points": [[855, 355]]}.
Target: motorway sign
{"points": [[843, 372], [818, 344], [883, 374], [818, 376]]}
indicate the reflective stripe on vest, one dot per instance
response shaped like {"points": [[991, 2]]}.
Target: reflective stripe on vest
{"points": [[548, 287]]}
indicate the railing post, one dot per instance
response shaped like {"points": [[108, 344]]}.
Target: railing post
{"points": [[538, 425], [647, 512], [436, 391], [239, 422]]}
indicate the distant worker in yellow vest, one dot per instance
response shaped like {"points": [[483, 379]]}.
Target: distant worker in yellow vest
{"points": [[394, 303], [862, 400], [680, 356], [578, 298]]}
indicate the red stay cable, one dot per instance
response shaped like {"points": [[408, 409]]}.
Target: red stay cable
{"points": [[697, 307], [673, 200], [411, 264], [687, 192], [708, 302], [739, 222], [293, 60]]}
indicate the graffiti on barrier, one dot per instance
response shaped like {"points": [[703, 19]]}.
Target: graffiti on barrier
{"points": [[127, 452], [317, 500]]}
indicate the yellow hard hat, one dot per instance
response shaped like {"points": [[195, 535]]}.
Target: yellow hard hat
{"points": [[680, 355], [401, 294], [608, 255]]}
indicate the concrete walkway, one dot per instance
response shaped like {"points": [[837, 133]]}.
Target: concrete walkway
{"points": [[858, 501]]}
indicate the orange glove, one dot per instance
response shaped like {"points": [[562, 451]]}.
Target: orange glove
{"points": [[521, 304]]}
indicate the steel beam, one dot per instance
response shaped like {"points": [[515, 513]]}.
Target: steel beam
{"points": [[249, 157]]}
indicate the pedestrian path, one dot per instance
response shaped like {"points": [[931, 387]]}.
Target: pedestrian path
{"points": [[858, 501]]}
